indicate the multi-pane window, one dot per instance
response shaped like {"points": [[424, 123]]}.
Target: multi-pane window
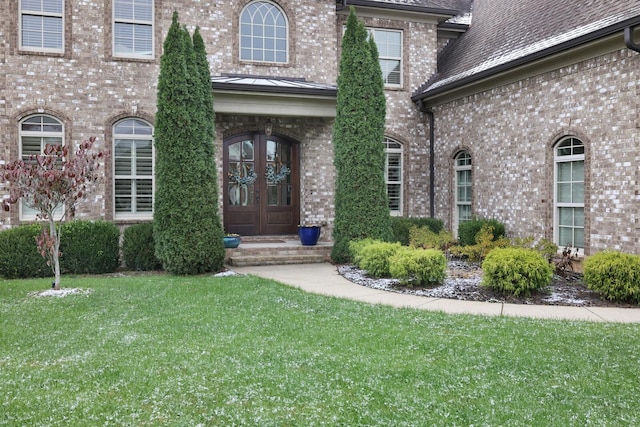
{"points": [[464, 187], [42, 25], [133, 28], [35, 133], [133, 168], [393, 175], [263, 33], [389, 43], [569, 193]]}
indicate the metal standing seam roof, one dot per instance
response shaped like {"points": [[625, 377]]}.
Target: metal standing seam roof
{"points": [[506, 33], [262, 84]]}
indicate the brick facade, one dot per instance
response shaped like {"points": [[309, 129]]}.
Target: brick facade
{"points": [[510, 132], [89, 90], [508, 128]]}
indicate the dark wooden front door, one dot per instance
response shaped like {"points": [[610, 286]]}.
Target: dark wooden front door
{"points": [[260, 188]]}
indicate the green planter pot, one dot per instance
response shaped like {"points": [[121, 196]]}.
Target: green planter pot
{"points": [[231, 241]]}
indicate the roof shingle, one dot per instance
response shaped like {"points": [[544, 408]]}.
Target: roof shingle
{"points": [[503, 31]]}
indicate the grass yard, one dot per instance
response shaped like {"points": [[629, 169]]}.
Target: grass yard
{"points": [[244, 351]]}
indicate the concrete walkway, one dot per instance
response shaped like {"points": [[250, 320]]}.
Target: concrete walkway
{"points": [[324, 279]]}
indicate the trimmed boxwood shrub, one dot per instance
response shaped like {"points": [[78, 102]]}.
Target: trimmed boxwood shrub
{"points": [[418, 266], [356, 246], [516, 270], [425, 238], [89, 247], [401, 226], [19, 256], [138, 249], [614, 275], [468, 230], [375, 258]]}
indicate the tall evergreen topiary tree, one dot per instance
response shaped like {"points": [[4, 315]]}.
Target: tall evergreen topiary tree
{"points": [[362, 207], [209, 173], [187, 230]]}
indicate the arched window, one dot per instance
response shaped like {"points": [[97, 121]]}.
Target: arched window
{"points": [[133, 178], [569, 193], [35, 133], [393, 175], [464, 189], [263, 33]]}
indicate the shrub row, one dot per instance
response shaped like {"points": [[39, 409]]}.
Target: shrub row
{"points": [[614, 275], [409, 264], [87, 247], [138, 248], [516, 270], [468, 230], [19, 256], [401, 226]]}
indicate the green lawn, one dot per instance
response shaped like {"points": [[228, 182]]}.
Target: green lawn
{"points": [[243, 351]]}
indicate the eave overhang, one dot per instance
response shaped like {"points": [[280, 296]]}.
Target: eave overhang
{"points": [[407, 12], [587, 46], [252, 95]]}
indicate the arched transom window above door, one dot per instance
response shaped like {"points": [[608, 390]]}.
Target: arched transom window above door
{"points": [[264, 33]]}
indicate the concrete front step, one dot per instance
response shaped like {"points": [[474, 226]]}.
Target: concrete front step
{"points": [[276, 250], [246, 261]]}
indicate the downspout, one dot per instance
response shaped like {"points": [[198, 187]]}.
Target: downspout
{"points": [[432, 168], [628, 39]]}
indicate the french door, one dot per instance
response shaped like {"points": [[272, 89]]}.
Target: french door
{"points": [[261, 185]]}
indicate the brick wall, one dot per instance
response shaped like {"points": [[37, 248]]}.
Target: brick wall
{"points": [[510, 132], [89, 90]]}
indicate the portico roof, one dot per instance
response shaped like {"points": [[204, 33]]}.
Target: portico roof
{"points": [[279, 96]]}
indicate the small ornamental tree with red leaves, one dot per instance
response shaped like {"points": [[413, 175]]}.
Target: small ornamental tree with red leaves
{"points": [[50, 183]]}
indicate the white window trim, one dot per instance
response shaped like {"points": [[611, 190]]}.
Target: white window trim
{"points": [[21, 215], [400, 182], [459, 168], [134, 215], [556, 205], [372, 31], [287, 29], [135, 22], [61, 15]]}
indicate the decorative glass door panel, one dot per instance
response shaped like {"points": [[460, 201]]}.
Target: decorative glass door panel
{"points": [[278, 174], [261, 185], [242, 175]]}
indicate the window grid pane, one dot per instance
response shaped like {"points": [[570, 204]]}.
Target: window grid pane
{"points": [[41, 25], [393, 174], [569, 193], [263, 33], [464, 188], [133, 166], [35, 133], [133, 28], [389, 44]]}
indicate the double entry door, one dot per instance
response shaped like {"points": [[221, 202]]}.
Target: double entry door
{"points": [[261, 185]]}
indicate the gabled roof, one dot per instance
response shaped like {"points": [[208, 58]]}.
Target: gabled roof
{"points": [[509, 33]]}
